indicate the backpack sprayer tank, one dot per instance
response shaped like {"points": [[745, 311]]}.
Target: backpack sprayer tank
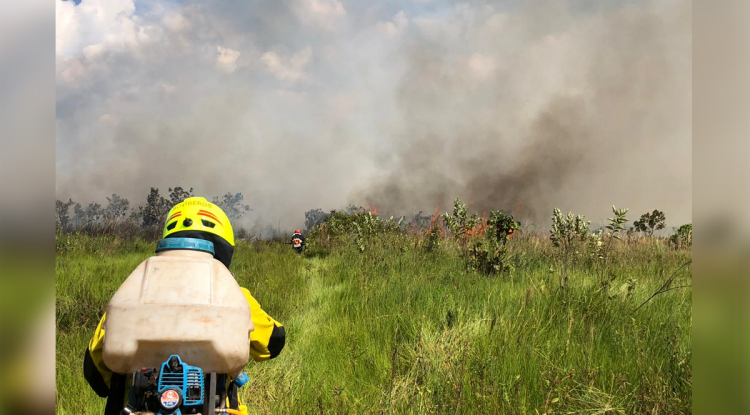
{"points": [[181, 301]]}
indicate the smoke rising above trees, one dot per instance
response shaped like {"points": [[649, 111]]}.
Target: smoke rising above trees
{"points": [[518, 106]]}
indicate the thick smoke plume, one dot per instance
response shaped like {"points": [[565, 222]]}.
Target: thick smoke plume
{"points": [[542, 104], [593, 113]]}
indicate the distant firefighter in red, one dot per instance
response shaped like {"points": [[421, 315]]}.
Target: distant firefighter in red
{"points": [[298, 241]]}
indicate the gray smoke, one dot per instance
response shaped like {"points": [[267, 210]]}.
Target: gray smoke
{"points": [[596, 111], [316, 103]]}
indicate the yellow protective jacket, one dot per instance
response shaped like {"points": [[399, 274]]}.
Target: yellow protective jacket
{"points": [[266, 342]]}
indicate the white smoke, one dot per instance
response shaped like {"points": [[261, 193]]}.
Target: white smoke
{"points": [[315, 103]]}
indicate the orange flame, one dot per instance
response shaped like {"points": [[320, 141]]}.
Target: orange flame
{"points": [[479, 228], [434, 219], [436, 215]]}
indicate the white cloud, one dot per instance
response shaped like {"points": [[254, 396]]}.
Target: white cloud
{"points": [[395, 26], [287, 68], [94, 29], [325, 14], [325, 8], [177, 22], [109, 22], [93, 52], [227, 59], [66, 26]]}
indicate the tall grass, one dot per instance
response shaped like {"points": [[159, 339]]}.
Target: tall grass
{"points": [[398, 329]]}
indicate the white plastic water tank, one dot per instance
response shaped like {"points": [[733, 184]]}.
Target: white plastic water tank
{"points": [[181, 302]]}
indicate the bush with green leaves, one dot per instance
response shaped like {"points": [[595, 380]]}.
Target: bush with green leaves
{"points": [[683, 238], [567, 229], [595, 245], [500, 226], [616, 228], [459, 224], [567, 234], [432, 241], [617, 223], [650, 222], [489, 255], [359, 228], [570, 234]]}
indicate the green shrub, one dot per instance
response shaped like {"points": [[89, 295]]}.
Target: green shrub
{"points": [[649, 222], [458, 223], [489, 255], [683, 238], [358, 228]]}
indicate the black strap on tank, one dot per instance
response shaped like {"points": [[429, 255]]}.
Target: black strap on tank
{"points": [[116, 399], [233, 395]]}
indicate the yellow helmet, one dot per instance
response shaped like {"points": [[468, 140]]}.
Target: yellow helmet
{"points": [[196, 217]]}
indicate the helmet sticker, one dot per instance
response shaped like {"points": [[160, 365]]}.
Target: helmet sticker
{"points": [[209, 215]]}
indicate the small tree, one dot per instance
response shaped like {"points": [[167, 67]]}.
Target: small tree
{"points": [[459, 223], [232, 205], [117, 209], [683, 238], [93, 213], [616, 229], [79, 215], [617, 223], [489, 255], [650, 222], [178, 194], [62, 212], [432, 242], [155, 210], [313, 218], [500, 226], [567, 231]]}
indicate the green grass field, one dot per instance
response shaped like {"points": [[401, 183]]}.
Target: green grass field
{"points": [[396, 329]]}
